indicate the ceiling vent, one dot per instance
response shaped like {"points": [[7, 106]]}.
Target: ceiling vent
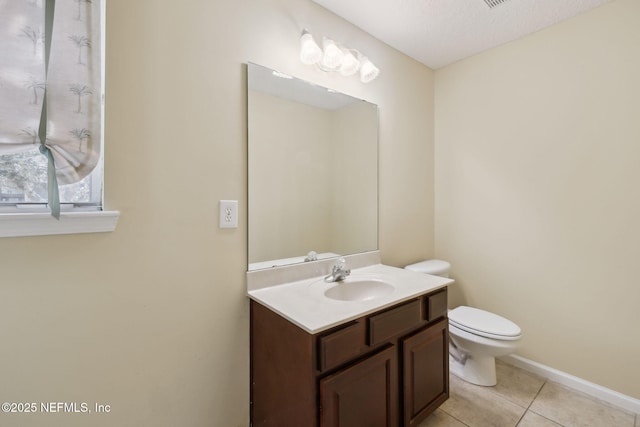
{"points": [[494, 3]]}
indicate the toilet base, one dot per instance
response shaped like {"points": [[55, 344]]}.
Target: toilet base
{"points": [[479, 370]]}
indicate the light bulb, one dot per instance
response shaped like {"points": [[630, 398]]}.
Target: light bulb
{"points": [[368, 71], [332, 57], [350, 63], [310, 52]]}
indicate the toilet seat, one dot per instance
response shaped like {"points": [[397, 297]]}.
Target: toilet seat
{"points": [[484, 323]]}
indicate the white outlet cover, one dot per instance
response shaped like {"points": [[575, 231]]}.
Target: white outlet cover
{"points": [[228, 215]]}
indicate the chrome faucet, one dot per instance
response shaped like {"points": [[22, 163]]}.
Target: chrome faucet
{"points": [[339, 271]]}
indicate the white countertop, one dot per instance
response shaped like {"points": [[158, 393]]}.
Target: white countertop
{"points": [[303, 302]]}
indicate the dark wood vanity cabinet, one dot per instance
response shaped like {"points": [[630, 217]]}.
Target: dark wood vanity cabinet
{"points": [[363, 394], [425, 372], [388, 369]]}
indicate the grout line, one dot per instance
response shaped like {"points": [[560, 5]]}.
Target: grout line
{"points": [[448, 414], [460, 421], [537, 394], [531, 403], [521, 417]]}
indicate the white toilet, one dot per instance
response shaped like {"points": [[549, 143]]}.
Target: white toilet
{"points": [[477, 337]]}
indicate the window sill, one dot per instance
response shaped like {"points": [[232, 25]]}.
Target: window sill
{"points": [[43, 224]]}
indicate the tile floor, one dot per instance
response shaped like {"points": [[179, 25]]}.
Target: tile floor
{"points": [[524, 399]]}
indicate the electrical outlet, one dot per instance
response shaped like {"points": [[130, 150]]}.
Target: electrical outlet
{"points": [[228, 214]]}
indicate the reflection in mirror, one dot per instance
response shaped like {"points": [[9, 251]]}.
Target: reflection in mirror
{"points": [[313, 171]]}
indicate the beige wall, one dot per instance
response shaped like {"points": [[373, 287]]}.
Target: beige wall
{"points": [[290, 147], [355, 179], [313, 181], [152, 318], [537, 203]]}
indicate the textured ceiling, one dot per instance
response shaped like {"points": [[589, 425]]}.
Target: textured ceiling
{"points": [[440, 32]]}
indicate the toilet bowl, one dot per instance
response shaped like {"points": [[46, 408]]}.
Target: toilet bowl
{"points": [[476, 337]]}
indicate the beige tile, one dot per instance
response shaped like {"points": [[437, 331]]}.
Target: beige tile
{"points": [[517, 385], [531, 419], [477, 406], [572, 408], [441, 419]]}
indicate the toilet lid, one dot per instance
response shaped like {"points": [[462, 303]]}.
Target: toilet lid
{"points": [[483, 323]]}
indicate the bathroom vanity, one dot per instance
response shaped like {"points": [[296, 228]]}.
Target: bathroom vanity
{"points": [[388, 367], [370, 350]]}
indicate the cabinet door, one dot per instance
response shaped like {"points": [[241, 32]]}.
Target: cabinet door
{"points": [[425, 372], [362, 395]]}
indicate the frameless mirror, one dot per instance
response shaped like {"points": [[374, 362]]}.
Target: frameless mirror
{"points": [[313, 171]]}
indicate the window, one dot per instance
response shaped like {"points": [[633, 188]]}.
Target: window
{"points": [[51, 92], [51, 107], [23, 185]]}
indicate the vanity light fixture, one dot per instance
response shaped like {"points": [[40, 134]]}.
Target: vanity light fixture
{"points": [[310, 52], [335, 57]]}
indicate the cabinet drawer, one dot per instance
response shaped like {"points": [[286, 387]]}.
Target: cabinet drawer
{"points": [[341, 346], [394, 322], [436, 305]]}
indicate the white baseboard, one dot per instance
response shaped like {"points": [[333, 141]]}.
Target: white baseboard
{"points": [[610, 396]]}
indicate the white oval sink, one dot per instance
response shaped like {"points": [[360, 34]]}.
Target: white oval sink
{"points": [[358, 290]]}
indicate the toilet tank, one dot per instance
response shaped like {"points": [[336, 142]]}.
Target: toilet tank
{"points": [[433, 266]]}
